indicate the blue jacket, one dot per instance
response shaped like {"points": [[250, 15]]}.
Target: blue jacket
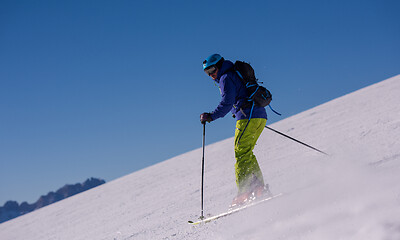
{"points": [[233, 94]]}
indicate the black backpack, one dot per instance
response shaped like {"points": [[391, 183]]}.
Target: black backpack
{"points": [[257, 94]]}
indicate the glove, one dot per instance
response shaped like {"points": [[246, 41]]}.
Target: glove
{"points": [[205, 117]]}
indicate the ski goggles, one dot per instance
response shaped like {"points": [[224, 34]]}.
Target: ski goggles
{"points": [[211, 70]]}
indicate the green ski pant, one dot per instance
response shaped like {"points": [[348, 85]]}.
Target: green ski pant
{"points": [[246, 167]]}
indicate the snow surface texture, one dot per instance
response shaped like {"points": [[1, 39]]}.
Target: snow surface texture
{"points": [[354, 193]]}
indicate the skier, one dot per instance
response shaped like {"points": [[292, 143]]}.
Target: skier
{"points": [[249, 178]]}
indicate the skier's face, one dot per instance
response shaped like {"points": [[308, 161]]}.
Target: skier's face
{"points": [[212, 72], [214, 75]]}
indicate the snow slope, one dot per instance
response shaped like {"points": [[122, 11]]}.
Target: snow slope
{"points": [[354, 193]]}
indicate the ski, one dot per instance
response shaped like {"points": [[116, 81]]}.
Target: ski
{"points": [[235, 210]]}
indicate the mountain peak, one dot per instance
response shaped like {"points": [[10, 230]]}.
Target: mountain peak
{"points": [[12, 209]]}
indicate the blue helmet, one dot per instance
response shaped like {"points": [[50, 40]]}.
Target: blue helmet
{"points": [[211, 60]]}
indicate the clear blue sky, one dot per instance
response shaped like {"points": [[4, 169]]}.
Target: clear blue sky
{"points": [[105, 88]]}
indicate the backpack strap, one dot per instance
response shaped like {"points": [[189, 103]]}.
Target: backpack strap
{"points": [[240, 75], [269, 105]]}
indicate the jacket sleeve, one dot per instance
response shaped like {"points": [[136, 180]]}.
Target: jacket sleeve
{"points": [[228, 94]]}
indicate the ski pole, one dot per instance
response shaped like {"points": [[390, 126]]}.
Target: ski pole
{"points": [[296, 140], [202, 173]]}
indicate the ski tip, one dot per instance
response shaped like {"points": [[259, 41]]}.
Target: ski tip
{"points": [[201, 219], [195, 223]]}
